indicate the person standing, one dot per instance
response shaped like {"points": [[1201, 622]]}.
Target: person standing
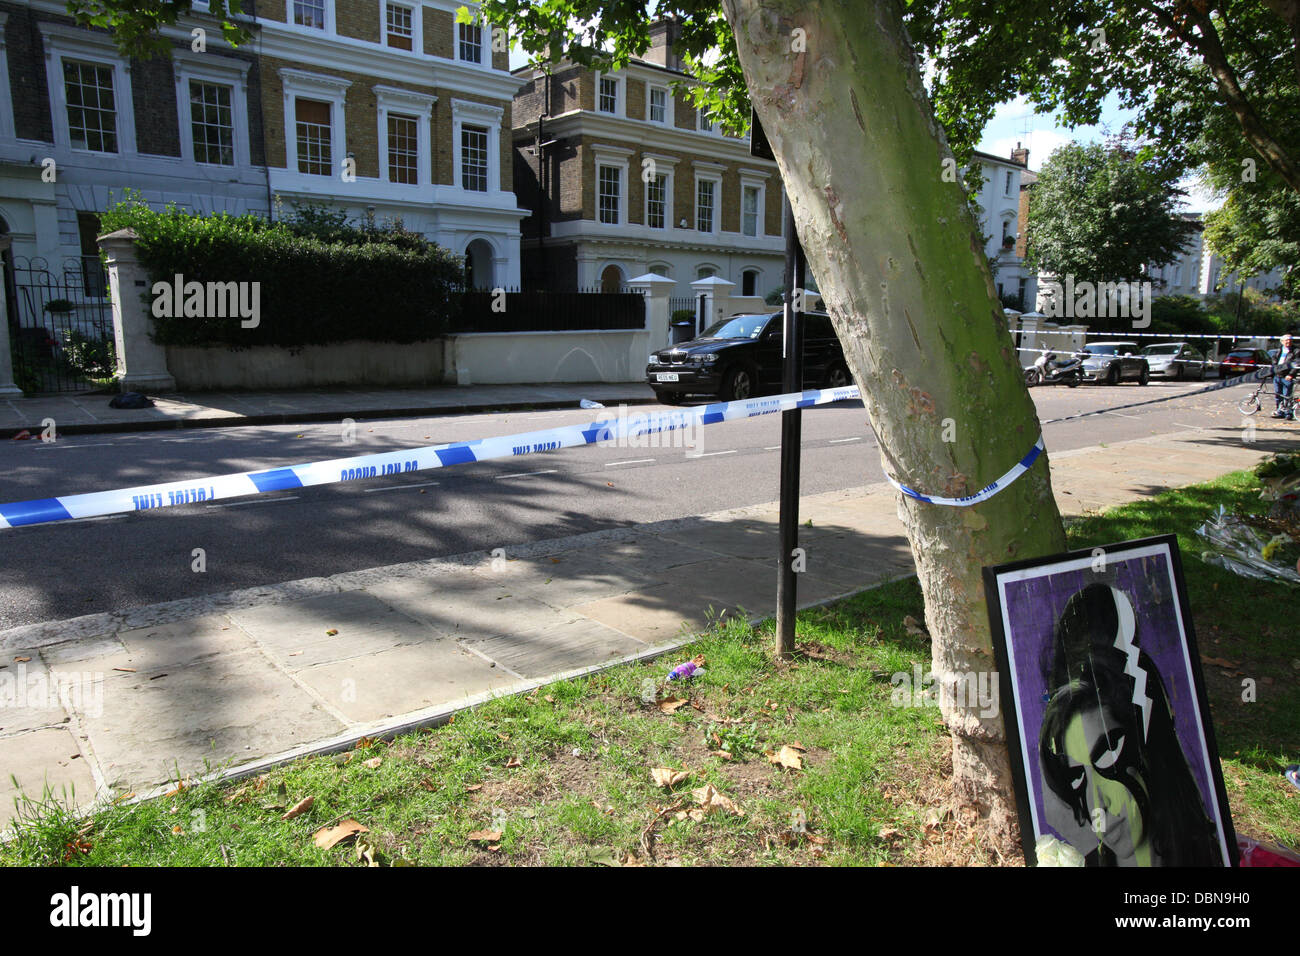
{"points": [[1284, 378]]}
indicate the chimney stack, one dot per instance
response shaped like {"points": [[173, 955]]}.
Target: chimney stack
{"points": [[1020, 156], [663, 34]]}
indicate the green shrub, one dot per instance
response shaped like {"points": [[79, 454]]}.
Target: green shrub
{"points": [[94, 359], [683, 315], [320, 279]]}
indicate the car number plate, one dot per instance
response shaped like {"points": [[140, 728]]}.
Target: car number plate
{"points": [[666, 376]]}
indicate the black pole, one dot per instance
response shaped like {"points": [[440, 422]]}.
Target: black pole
{"points": [[791, 434]]}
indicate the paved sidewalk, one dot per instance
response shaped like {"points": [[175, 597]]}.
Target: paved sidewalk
{"points": [[256, 676], [85, 413]]}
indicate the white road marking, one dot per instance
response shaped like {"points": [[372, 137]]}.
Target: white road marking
{"points": [[708, 454], [101, 518], [529, 474], [260, 501], [771, 447], [837, 441], [423, 484], [629, 461]]}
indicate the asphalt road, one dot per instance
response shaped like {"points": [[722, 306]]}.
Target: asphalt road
{"points": [[56, 571]]}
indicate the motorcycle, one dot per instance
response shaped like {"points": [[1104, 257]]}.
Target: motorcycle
{"points": [[1048, 370]]}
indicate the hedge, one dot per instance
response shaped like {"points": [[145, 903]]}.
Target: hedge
{"points": [[317, 284]]}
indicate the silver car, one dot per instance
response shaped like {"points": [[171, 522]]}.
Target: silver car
{"points": [[1112, 362], [1176, 360]]}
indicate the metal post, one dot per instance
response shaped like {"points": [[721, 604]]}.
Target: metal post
{"points": [[791, 432]]}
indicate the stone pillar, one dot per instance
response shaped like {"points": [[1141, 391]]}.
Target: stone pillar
{"points": [[1029, 327], [656, 289], [717, 293], [7, 386], [141, 362]]}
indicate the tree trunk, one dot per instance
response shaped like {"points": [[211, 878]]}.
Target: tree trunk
{"points": [[901, 266]]}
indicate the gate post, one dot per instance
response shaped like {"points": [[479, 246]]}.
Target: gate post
{"points": [[7, 386], [141, 362]]}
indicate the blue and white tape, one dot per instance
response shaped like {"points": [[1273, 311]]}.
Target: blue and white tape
{"points": [[170, 493], [985, 493]]}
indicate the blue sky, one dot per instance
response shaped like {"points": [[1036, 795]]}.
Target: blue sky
{"points": [[1017, 122]]}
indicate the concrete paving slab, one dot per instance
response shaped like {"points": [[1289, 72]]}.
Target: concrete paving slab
{"points": [[655, 615], [556, 649], [297, 636], [39, 759], [404, 679], [31, 694], [230, 707], [478, 608]]}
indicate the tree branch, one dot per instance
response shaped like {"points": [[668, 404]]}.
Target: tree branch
{"points": [[1210, 48]]}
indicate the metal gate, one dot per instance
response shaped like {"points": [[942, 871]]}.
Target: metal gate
{"points": [[60, 326]]}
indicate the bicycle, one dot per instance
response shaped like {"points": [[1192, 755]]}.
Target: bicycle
{"points": [[1251, 403]]}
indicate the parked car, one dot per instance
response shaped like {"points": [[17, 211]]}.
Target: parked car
{"points": [[1241, 361], [740, 357], [1112, 362], [1174, 360]]}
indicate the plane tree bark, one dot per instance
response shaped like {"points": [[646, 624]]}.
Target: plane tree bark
{"points": [[901, 266]]}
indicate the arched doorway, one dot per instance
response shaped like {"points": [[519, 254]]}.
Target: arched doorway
{"points": [[611, 279], [479, 272]]}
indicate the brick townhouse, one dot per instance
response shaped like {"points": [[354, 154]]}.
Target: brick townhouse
{"points": [[381, 108], [630, 178]]}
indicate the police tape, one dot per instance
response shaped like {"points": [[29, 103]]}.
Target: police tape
{"points": [[1261, 373], [985, 493], [403, 461]]}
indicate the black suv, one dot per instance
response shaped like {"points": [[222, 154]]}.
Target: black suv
{"points": [[740, 357]]}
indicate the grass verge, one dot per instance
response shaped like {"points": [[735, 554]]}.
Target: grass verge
{"points": [[563, 776]]}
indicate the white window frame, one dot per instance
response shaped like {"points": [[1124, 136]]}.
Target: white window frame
{"points": [[68, 43], [621, 158], [222, 71], [485, 43], [620, 102], [314, 86], [621, 199], [715, 128], [664, 165], [477, 114], [758, 275], [760, 212], [417, 27], [390, 99], [1010, 182], [330, 20], [651, 88], [707, 172]]}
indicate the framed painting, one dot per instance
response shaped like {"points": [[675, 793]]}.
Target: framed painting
{"points": [[1112, 750]]}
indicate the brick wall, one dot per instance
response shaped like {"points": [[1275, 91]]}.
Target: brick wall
{"points": [[439, 32], [271, 10], [27, 85], [636, 97], [153, 92], [358, 19], [683, 112]]}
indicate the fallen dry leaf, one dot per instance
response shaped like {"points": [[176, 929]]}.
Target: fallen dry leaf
{"points": [[667, 777], [484, 836], [786, 757], [427, 784], [710, 800], [329, 837], [22, 660], [177, 829], [473, 786], [671, 705], [888, 833], [512, 762], [373, 762], [914, 627], [331, 632], [302, 806]]}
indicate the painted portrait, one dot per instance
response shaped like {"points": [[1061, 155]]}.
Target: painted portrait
{"points": [[1109, 732]]}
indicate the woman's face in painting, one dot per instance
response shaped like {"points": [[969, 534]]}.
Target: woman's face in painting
{"points": [[1094, 747]]}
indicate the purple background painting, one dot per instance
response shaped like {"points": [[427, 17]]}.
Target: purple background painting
{"points": [[1033, 607]]}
